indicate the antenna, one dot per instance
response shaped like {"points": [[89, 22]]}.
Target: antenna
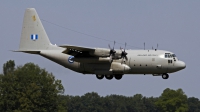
{"points": [[157, 46], [152, 47], [144, 45]]}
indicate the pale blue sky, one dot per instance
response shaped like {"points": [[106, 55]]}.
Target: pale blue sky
{"points": [[174, 25]]}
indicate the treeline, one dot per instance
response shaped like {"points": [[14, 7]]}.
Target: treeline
{"points": [[29, 88], [169, 101]]}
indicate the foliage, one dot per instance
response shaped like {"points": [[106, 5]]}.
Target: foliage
{"points": [[193, 104], [28, 88], [172, 101], [92, 102], [8, 67], [169, 101]]}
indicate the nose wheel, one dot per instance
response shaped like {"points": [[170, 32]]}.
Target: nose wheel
{"points": [[165, 76]]}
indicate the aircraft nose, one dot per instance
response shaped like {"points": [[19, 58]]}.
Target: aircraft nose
{"points": [[181, 65]]}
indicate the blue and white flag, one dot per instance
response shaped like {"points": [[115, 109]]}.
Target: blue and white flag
{"points": [[34, 37]]}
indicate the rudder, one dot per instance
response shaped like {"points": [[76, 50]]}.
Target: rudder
{"points": [[33, 36]]}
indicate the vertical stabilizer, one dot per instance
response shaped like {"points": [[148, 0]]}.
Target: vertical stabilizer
{"points": [[33, 36]]}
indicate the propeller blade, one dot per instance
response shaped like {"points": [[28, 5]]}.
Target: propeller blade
{"points": [[114, 45], [125, 47], [109, 46], [112, 51], [157, 46], [126, 58], [111, 59], [122, 60]]}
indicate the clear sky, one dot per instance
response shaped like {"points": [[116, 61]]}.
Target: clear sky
{"points": [[174, 25]]}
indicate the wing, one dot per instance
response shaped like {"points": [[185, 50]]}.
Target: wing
{"points": [[78, 51]]}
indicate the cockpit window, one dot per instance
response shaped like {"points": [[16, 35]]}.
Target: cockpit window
{"points": [[173, 55], [168, 55]]}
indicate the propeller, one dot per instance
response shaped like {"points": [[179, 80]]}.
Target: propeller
{"points": [[124, 53], [112, 52]]}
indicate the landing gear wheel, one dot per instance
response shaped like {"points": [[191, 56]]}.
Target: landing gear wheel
{"points": [[109, 77], [118, 77], [100, 77], [165, 76]]}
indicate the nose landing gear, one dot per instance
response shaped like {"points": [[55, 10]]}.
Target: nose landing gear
{"points": [[165, 76]]}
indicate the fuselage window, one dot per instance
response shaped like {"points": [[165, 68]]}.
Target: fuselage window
{"points": [[169, 61]]}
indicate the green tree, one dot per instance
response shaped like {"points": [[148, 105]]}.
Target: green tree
{"points": [[172, 101], [90, 102], [28, 88], [149, 104], [8, 67], [194, 104], [63, 103], [115, 103]]}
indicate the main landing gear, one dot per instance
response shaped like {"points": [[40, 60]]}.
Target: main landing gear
{"points": [[118, 77], [109, 77], [100, 77], [165, 76]]}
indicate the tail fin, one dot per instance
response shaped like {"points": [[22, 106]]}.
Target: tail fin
{"points": [[33, 36]]}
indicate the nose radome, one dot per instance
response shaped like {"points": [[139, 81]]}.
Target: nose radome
{"points": [[182, 65]]}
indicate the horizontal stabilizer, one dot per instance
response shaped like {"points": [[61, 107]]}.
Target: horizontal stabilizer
{"points": [[31, 52]]}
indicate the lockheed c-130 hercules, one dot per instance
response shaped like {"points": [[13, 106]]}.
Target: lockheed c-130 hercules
{"points": [[103, 62]]}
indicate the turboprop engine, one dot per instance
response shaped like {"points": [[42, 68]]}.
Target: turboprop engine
{"points": [[118, 67]]}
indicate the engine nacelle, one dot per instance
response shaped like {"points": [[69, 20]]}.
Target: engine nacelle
{"points": [[100, 52], [119, 68]]}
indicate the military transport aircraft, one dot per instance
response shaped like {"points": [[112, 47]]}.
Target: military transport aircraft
{"points": [[103, 62]]}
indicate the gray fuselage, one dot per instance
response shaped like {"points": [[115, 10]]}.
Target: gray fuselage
{"points": [[139, 62]]}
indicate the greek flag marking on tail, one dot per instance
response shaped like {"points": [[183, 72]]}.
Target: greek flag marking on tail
{"points": [[34, 37]]}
